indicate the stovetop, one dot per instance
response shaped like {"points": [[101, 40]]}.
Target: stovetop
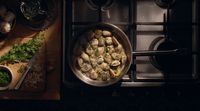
{"points": [[143, 21]]}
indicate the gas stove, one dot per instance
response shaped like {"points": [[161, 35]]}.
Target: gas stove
{"points": [[163, 34]]}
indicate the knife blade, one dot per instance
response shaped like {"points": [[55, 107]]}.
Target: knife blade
{"points": [[29, 66]]}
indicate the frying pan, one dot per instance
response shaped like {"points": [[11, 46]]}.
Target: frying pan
{"points": [[123, 39]]}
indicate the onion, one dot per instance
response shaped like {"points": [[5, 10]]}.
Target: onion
{"points": [[5, 27]]}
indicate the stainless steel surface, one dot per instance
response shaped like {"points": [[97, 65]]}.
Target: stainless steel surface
{"points": [[91, 15], [150, 14], [142, 21], [142, 84], [122, 38], [29, 65]]}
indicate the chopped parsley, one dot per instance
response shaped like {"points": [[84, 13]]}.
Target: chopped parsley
{"points": [[4, 77], [24, 51]]}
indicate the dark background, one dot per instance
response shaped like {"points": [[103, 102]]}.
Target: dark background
{"points": [[137, 99]]}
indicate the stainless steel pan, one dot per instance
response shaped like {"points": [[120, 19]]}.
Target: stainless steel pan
{"points": [[123, 39]]}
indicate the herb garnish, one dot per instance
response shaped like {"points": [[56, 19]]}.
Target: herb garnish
{"points": [[4, 77], [21, 69], [23, 52]]}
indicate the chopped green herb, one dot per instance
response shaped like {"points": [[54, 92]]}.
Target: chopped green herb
{"points": [[21, 69], [23, 52], [4, 77], [106, 49]]}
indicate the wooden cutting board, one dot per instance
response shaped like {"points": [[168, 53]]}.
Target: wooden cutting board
{"points": [[36, 77]]}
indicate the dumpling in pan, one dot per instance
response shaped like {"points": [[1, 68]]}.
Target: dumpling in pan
{"points": [[100, 51], [123, 58], [85, 57], [109, 41], [116, 56], [80, 62], [94, 43], [98, 33], [101, 41], [107, 58], [115, 63], [110, 49], [104, 66], [86, 67], [93, 75], [105, 75], [89, 49], [106, 33], [100, 59], [93, 62]]}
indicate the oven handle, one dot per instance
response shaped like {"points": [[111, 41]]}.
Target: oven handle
{"points": [[161, 52]]}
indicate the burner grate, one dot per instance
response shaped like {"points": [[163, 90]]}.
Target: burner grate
{"points": [[132, 23]]}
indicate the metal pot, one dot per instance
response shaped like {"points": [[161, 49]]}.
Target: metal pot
{"points": [[121, 37]]}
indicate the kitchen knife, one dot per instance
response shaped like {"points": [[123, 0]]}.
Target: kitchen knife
{"points": [[30, 64]]}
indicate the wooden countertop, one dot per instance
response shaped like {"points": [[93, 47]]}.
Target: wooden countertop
{"points": [[53, 54]]}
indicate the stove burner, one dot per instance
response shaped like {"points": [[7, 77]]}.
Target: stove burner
{"points": [[99, 4], [164, 63], [165, 3]]}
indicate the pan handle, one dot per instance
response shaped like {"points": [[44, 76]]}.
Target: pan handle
{"points": [[157, 52]]}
